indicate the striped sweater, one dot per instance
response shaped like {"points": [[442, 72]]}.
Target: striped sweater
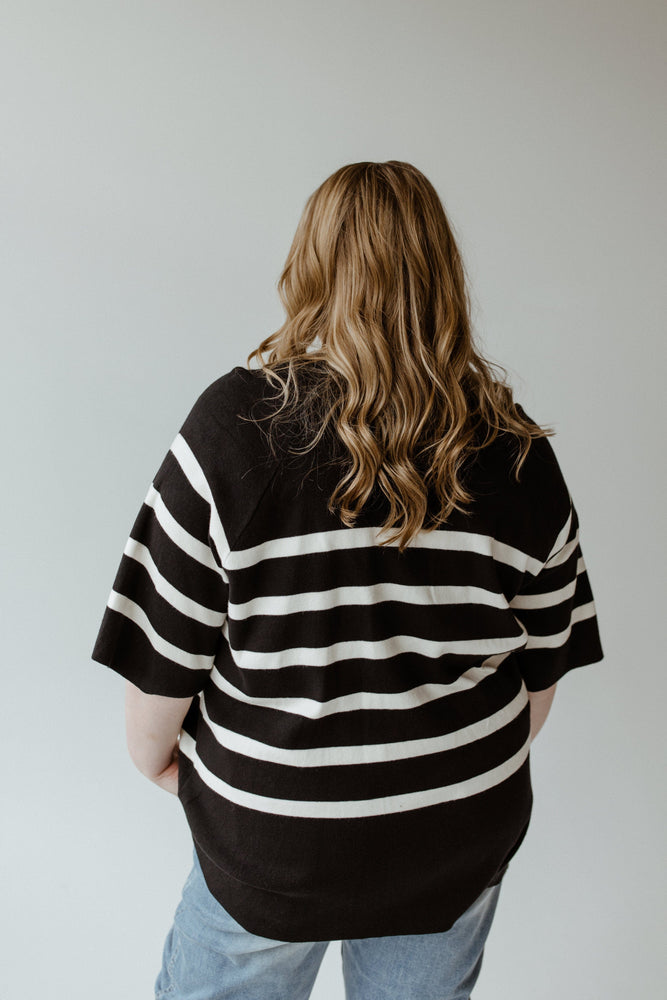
{"points": [[355, 761]]}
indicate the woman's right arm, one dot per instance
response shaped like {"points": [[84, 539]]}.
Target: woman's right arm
{"points": [[540, 703]]}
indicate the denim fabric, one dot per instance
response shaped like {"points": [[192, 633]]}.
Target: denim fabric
{"points": [[208, 955]]}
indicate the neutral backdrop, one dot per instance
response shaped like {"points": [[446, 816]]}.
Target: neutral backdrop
{"points": [[156, 157]]}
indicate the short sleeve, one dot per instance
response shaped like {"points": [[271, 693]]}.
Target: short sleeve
{"points": [[556, 608], [162, 624]]}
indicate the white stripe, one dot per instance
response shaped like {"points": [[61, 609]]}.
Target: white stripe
{"points": [[550, 598], [563, 553], [179, 536], [195, 476], [373, 753], [368, 649], [559, 639], [381, 806], [340, 539], [131, 610], [533, 602], [323, 600], [310, 708], [561, 538], [192, 609]]}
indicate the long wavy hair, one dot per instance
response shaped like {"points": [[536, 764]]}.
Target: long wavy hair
{"points": [[377, 350]]}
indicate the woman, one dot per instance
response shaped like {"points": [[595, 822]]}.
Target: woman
{"points": [[342, 613]]}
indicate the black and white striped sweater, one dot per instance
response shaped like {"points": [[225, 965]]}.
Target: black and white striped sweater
{"points": [[355, 762]]}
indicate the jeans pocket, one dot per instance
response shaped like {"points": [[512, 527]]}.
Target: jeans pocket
{"points": [[165, 984]]}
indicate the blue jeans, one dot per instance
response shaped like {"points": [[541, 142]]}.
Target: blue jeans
{"points": [[208, 955]]}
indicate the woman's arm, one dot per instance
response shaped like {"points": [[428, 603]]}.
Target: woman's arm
{"points": [[540, 703], [153, 723]]}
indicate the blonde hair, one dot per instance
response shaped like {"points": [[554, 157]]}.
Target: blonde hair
{"points": [[374, 272]]}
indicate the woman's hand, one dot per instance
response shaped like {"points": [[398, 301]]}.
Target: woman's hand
{"points": [[153, 725]]}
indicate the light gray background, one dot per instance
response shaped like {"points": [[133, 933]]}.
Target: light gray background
{"points": [[155, 160]]}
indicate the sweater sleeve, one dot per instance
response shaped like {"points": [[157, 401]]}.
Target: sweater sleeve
{"points": [[162, 623], [556, 608]]}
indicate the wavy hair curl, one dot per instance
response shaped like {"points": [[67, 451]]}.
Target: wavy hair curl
{"points": [[377, 349]]}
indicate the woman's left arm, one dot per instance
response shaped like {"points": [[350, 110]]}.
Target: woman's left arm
{"points": [[152, 724]]}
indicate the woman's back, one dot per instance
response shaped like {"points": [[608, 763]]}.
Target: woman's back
{"points": [[355, 762]]}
